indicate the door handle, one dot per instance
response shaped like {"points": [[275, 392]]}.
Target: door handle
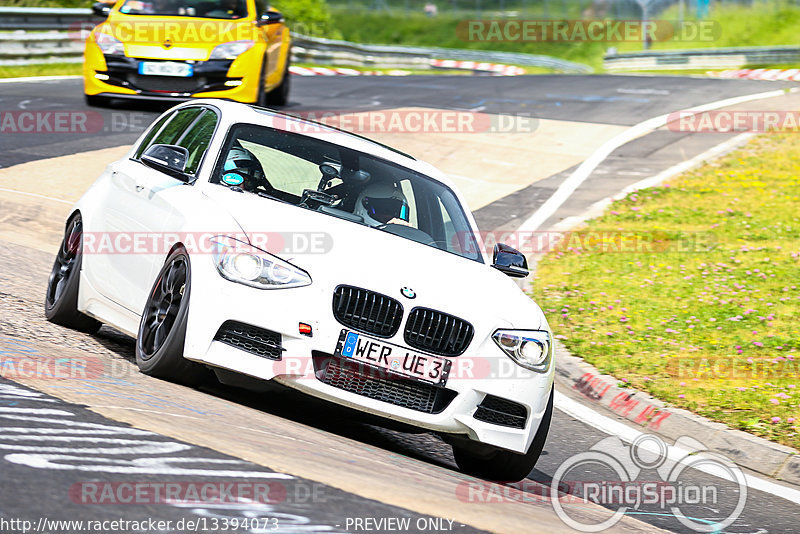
{"points": [[139, 188]]}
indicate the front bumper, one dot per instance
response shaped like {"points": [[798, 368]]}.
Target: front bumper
{"points": [[482, 372], [121, 78]]}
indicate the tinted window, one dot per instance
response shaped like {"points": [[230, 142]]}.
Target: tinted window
{"points": [[337, 181], [153, 131], [197, 138], [171, 133], [220, 9], [169, 129]]}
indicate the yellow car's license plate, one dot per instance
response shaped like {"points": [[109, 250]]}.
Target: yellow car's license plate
{"points": [[165, 68]]}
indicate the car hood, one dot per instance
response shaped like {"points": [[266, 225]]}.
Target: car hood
{"points": [[335, 251], [174, 37]]}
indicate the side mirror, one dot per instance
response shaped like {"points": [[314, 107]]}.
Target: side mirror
{"points": [[270, 17], [169, 159], [510, 261], [100, 9]]}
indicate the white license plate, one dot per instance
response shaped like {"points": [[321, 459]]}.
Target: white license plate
{"points": [[393, 358], [165, 68]]}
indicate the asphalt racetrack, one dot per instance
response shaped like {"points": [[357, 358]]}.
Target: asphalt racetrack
{"points": [[293, 464]]}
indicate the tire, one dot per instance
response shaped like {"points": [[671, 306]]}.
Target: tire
{"points": [[95, 101], [61, 298], [162, 330], [280, 95], [261, 96], [503, 465]]}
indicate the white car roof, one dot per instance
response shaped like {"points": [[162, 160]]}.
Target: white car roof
{"points": [[236, 112]]}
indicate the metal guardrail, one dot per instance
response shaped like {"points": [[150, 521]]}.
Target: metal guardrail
{"points": [[514, 58], [328, 52], [42, 18], [703, 58], [20, 48]]}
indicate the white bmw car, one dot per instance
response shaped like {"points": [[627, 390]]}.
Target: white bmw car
{"points": [[260, 246]]}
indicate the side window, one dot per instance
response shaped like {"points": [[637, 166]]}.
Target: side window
{"points": [[261, 7], [149, 137], [197, 138], [171, 132]]}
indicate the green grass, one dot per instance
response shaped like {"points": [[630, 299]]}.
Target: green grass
{"points": [[760, 25], [418, 30], [44, 69], [705, 312]]}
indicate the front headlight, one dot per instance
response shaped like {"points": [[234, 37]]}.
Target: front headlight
{"points": [[109, 45], [532, 349], [245, 264], [230, 50]]}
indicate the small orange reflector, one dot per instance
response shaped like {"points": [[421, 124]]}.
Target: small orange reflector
{"points": [[305, 329]]}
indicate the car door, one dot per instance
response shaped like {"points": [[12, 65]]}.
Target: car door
{"points": [[141, 206]]}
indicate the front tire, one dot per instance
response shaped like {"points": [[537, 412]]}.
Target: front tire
{"points": [[95, 101], [502, 465], [162, 330], [280, 95], [61, 299]]}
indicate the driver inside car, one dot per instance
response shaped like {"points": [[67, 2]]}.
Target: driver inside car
{"points": [[241, 164], [227, 9], [383, 203]]}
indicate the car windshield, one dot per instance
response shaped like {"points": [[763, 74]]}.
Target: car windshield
{"points": [[345, 183], [216, 9]]}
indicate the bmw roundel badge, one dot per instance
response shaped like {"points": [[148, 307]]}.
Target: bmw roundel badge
{"points": [[408, 292]]}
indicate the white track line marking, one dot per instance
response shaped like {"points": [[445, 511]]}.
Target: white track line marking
{"points": [[573, 408], [586, 168], [597, 209], [629, 434], [3, 189]]}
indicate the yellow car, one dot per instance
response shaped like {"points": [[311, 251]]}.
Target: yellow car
{"points": [[177, 49]]}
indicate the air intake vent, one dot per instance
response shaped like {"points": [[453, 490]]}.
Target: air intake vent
{"points": [[501, 412], [367, 311], [437, 332], [252, 339], [379, 385]]}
